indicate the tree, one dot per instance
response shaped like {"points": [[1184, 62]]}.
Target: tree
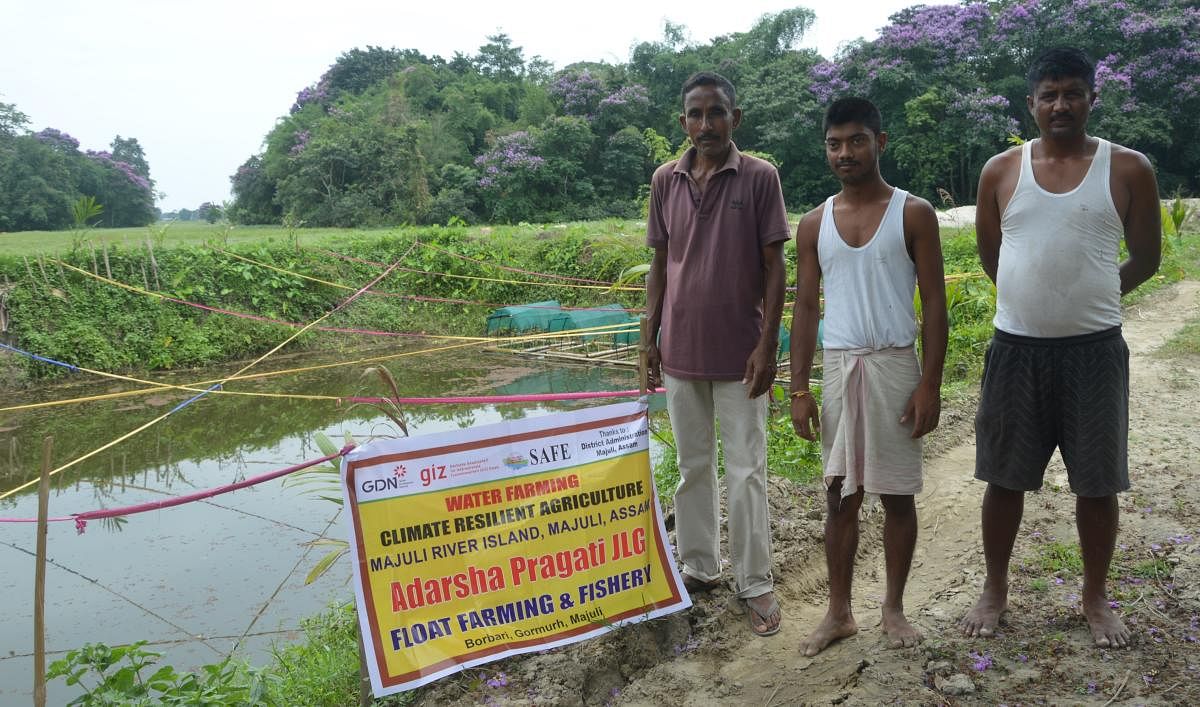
{"points": [[129, 151], [499, 59]]}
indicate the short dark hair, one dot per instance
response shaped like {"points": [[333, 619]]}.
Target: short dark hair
{"points": [[853, 110], [1062, 63], [709, 78]]}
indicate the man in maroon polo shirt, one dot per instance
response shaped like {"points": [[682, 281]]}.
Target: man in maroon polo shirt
{"points": [[715, 290]]}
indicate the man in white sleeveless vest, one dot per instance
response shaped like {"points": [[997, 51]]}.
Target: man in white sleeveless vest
{"points": [[1049, 222], [871, 244]]}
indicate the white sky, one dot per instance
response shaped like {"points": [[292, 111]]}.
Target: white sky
{"points": [[199, 84]]}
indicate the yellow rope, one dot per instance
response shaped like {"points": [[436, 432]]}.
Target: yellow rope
{"points": [[167, 414], [200, 386]]}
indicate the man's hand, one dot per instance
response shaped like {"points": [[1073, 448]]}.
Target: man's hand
{"points": [[653, 366], [923, 411], [760, 371], [806, 418]]}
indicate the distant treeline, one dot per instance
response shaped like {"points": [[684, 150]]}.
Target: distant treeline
{"points": [[390, 136], [43, 175]]}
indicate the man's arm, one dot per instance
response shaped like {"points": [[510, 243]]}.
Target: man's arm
{"points": [[760, 368], [806, 313], [1143, 219], [656, 288], [987, 216], [925, 405]]}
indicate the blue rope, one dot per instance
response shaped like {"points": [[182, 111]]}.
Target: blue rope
{"points": [[43, 359], [69, 367], [193, 399]]}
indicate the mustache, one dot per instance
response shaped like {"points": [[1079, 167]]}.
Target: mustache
{"points": [[706, 136]]}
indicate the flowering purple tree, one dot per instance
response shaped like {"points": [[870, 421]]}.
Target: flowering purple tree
{"points": [[949, 80], [579, 92]]}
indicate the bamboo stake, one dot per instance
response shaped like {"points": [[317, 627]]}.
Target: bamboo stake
{"points": [[153, 263], [39, 581], [364, 676], [107, 269], [95, 265], [643, 364]]}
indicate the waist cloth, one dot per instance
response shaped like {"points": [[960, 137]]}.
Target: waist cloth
{"points": [[862, 439]]}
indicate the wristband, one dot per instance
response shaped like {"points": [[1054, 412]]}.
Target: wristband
{"points": [[800, 394]]}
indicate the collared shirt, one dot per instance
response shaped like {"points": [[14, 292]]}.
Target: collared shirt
{"points": [[713, 304]]}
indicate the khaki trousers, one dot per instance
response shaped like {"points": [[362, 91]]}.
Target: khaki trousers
{"points": [[693, 405]]}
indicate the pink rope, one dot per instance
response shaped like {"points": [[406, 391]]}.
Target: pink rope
{"points": [[511, 269], [529, 398], [81, 519]]}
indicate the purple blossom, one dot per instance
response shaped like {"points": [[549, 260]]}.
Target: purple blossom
{"points": [[827, 81], [511, 153], [57, 138], [498, 680], [950, 33], [309, 94], [580, 92], [635, 95], [301, 141], [980, 661], [105, 158]]}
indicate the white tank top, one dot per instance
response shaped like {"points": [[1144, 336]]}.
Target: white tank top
{"points": [[1058, 271], [869, 289]]}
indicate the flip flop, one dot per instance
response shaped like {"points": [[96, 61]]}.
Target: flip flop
{"points": [[752, 612], [695, 585]]}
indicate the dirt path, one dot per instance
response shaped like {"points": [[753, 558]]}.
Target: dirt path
{"points": [[706, 656]]}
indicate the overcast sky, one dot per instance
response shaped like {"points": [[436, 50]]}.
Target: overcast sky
{"points": [[199, 84]]}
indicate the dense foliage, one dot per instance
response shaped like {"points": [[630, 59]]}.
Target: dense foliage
{"points": [[392, 136], [42, 174]]}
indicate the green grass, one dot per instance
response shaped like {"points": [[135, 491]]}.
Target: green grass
{"points": [[177, 234], [1064, 558], [323, 669], [1156, 569], [1186, 341]]}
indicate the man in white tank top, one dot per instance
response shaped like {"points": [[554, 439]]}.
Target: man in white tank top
{"points": [[871, 244], [1049, 222]]}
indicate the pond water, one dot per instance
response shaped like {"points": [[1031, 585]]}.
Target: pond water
{"points": [[226, 575]]}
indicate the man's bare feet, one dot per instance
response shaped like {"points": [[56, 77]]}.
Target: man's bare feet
{"points": [[900, 633], [984, 617], [832, 628], [1108, 631]]}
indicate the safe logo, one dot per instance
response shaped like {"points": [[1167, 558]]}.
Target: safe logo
{"points": [[515, 462]]}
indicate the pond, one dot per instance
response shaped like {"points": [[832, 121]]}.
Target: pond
{"points": [[226, 575]]}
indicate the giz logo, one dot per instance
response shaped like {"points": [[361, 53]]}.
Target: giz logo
{"points": [[432, 472]]}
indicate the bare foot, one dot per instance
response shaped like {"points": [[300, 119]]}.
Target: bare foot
{"points": [[832, 628], [1107, 629], [984, 617], [900, 633]]}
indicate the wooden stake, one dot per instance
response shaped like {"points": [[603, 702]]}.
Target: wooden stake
{"points": [[364, 676], [153, 263], [107, 269], [643, 358], [39, 581]]}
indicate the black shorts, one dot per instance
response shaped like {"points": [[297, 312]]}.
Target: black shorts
{"points": [[1071, 392]]}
